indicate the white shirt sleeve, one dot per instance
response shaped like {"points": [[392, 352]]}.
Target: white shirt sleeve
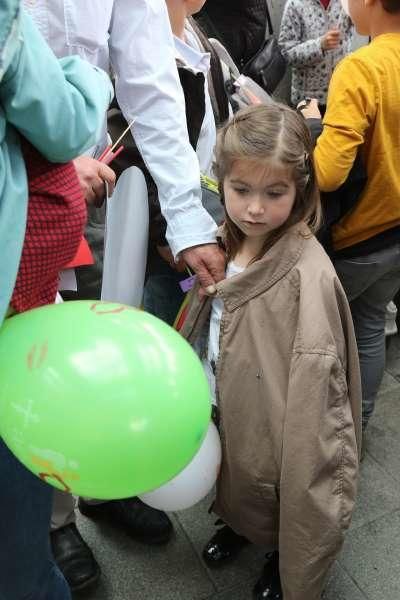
{"points": [[147, 88]]}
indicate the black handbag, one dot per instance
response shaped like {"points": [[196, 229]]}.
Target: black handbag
{"points": [[268, 66]]}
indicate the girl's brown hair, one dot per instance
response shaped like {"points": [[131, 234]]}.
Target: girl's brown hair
{"points": [[269, 134]]}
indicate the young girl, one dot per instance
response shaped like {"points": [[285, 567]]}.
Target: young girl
{"points": [[280, 344], [314, 36]]}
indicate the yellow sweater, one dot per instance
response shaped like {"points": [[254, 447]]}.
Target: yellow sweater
{"points": [[364, 110]]}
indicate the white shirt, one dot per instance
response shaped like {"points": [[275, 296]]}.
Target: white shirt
{"points": [[192, 55], [134, 40], [217, 307]]}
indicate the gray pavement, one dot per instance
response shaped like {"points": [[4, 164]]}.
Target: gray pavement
{"points": [[367, 569]]}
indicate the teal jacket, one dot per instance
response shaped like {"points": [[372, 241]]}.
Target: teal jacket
{"points": [[58, 105]]}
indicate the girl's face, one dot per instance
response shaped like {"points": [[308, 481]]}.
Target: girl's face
{"points": [[258, 199]]}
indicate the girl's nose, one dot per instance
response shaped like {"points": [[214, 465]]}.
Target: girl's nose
{"points": [[256, 207]]}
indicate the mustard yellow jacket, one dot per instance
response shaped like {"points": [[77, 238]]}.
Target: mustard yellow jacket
{"points": [[363, 112]]}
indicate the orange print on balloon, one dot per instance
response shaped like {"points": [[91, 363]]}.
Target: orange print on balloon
{"points": [[45, 476], [102, 308], [37, 355], [51, 472]]}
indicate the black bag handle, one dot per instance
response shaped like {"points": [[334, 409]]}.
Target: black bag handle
{"points": [[269, 21]]}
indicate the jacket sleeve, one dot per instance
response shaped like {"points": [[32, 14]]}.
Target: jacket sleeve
{"points": [[297, 52], [320, 454], [59, 106], [351, 109], [148, 89], [319, 474]]}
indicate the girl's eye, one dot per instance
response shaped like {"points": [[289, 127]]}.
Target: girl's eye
{"points": [[241, 191], [275, 194]]}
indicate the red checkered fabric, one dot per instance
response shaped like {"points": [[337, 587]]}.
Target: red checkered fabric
{"points": [[55, 223]]}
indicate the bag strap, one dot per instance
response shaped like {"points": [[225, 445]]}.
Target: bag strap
{"points": [[219, 97], [225, 57], [269, 21]]}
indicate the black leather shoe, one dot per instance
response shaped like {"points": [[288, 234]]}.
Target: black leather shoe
{"points": [[133, 517], [223, 546], [74, 558], [268, 587]]}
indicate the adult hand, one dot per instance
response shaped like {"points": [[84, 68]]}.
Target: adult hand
{"points": [[208, 262], [331, 39], [92, 174], [166, 254], [309, 109]]}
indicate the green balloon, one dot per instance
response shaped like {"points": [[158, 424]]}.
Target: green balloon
{"points": [[100, 399]]}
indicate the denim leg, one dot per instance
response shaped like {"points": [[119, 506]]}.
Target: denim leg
{"points": [[162, 295], [369, 324], [370, 282], [27, 569]]}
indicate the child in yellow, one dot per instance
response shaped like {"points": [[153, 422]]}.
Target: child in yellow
{"points": [[363, 114]]}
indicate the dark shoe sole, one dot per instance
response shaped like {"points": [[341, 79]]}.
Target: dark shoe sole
{"points": [[91, 513]]}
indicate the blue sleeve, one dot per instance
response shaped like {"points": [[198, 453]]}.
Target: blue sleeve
{"points": [[58, 105]]}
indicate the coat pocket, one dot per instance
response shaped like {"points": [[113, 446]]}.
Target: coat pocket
{"points": [[266, 514], [87, 23], [251, 508], [270, 496]]}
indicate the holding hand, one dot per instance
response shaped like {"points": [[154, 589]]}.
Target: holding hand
{"points": [[208, 262], [92, 175], [309, 109], [331, 40]]}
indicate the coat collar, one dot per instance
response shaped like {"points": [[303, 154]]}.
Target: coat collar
{"points": [[264, 273]]}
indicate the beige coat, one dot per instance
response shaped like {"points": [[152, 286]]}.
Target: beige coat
{"points": [[288, 389]]}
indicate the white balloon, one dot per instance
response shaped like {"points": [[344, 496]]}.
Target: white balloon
{"points": [[345, 5], [125, 252], [194, 482]]}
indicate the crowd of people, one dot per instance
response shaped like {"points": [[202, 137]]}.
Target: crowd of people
{"points": [[292, 341]]}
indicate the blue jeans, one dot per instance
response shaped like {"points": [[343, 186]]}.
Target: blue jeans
{"points": [[163, 296], [370, 282], [27, 568]]}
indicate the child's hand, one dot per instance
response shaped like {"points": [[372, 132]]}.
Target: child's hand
{"points": [[92, 174], [330, 40]]}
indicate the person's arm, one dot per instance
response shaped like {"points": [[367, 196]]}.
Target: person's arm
{"points": [[351, 110], [10, 26], [59, 106], [148, 89], [297, 51], [319, 472]]}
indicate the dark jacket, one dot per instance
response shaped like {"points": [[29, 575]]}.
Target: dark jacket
{"points": [[336, 204], [239, 24]]}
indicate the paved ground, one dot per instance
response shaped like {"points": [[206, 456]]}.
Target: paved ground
{"points": [[368, 568]]}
